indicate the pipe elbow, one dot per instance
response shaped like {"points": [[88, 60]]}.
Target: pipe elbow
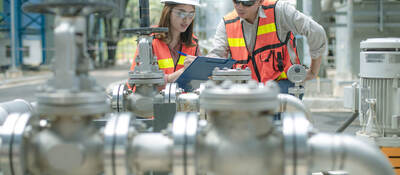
{"points": [[347, 153], [292, 101]]}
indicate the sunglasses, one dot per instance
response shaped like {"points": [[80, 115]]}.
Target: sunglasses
{"points": [[183, 15], [244, 3]]}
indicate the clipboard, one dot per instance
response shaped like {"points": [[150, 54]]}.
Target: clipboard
{"points": [[201, 68]]}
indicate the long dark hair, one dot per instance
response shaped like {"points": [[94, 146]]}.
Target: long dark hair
{"points": [[186, 36]]}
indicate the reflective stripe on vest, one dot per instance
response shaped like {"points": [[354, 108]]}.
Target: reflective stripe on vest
{"points": [[164, 58], [264, 61]]}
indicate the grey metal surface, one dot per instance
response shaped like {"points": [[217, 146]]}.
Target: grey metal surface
{"points": [[171, 92], [296, 129], [229, 96], [12, 150], [184, 130], [6, 143], [386, 94], [71, 90], [351, 97], [163, 115], [145, 155], [118, 100], [117, 135], [238, 75], [380, 43], [109, 144], [18, 159], [15, 106], [343, 152], [70, 7], [145, 30], [380, 64], [289, 101], [141, 102], [239, 142]]}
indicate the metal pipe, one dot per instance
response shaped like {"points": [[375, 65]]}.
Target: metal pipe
{"points": [[381, 15], [347, 70], [141, 102], [144, 13], [362, 13], [15, 106], [145, 155], [15, 34], [358, 25], [291, 101], [347, 122], [342, 152], [327, 5]]}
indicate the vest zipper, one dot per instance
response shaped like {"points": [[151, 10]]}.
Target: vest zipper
{"points": [[251, 56], [177, 61]]}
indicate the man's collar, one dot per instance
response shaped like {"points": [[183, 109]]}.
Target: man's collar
{"points": [[261, 14]]}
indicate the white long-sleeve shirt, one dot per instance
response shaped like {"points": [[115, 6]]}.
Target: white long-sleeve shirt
{"points": [[287, 19]]}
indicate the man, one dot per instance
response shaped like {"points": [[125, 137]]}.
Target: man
{"points": [[260, 34]]}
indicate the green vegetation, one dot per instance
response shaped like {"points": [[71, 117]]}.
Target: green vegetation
{"points": [[126, 46]]}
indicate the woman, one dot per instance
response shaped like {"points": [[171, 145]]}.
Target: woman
{"points": [[170, 48]]}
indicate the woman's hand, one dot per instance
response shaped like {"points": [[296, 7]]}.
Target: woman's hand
{"points": [[188, 60]]}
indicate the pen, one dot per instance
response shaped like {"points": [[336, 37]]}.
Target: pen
{"points": [[184, 54]]}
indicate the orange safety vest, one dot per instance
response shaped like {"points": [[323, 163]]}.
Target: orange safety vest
{"points": [[270, 58], [164, 58]]}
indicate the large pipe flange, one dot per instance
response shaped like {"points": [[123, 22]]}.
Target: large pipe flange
{"points": [[12, 150], [118, 100], [250, 96], [117, 136], [184, 152], [65, 103], [145, 30], [69, 8], [171, 92], [231, 74], [296, 128], [138, 78]]}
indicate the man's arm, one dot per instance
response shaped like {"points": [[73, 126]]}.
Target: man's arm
{"points": [[314, 68], [220, 41], [290, 19]]}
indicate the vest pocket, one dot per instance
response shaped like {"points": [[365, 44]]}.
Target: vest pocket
{"points": [[266, 59]]}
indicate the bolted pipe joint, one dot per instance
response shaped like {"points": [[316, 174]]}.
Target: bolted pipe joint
{"points": [[128, 152]]}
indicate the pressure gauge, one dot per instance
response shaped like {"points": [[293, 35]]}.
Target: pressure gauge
{"points": [[297, 73]]}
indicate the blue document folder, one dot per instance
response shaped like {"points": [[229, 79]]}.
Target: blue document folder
{"points": [[201, 68]]}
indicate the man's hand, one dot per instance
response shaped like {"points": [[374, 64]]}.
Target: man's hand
{"points": [[188, 60], [310, 75], [314, 68]]}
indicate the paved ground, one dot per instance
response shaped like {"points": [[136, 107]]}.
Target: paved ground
{"points": [[25, 88]]}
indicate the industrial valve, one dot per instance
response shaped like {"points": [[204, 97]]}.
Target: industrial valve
{"points": [[239, 137]]}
